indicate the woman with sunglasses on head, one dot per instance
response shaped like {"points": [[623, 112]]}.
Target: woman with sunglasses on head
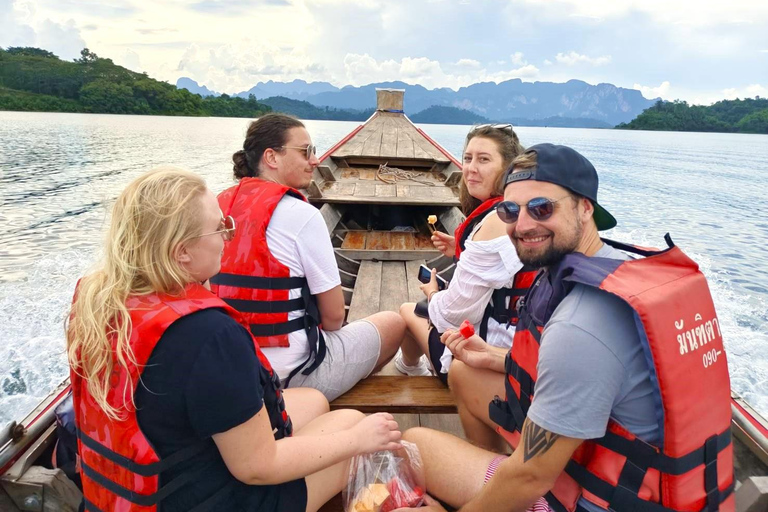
{"points": [[281, 271], [488, 278], [176, 406]]}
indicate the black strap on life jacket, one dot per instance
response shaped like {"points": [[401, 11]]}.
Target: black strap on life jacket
{"points": [[275, 404], [641, 457], [148, 470], [310, 322]]}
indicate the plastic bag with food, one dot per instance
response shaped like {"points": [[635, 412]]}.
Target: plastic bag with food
{"points": [[385, 481]]}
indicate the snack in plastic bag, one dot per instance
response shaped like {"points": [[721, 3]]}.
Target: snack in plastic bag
{"points": [[385, 481]]}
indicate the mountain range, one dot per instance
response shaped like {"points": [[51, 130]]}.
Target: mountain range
{"points": [[573, 103]]}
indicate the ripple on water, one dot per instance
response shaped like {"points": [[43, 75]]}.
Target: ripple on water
{"points": [[32, 315]]}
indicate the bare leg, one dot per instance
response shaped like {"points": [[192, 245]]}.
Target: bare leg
{"points": [[474, 389], [325, 484], [304, 405], [416, 340], [391, 328], [455, 469]]}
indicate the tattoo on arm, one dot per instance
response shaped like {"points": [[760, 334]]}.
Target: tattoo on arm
{"points": [[536, 440]]}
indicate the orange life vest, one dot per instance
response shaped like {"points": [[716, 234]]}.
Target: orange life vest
{"points": [[691, 468], [503, 304], [255, 283], [119, 468]]}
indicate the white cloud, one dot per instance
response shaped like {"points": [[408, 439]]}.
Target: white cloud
{"points": [[572, 58], [749, 91], [364, 69], [547, 62], [517, 59], [680, 12], [234, 68], [129, 59], [468, 63], [527, 71], [662, 91], [21, 27]]}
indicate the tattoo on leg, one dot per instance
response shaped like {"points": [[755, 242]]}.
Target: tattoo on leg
{"points": [[536, 439]]}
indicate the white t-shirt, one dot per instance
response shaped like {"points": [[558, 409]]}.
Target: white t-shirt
{"points": [[298, 238], [484, 266]]}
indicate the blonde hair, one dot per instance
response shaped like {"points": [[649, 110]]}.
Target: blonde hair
{"points": [[509, 148], [151, 219]]}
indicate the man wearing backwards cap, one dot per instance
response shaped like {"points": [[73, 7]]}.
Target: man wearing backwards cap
{"points": [[591, 364]]}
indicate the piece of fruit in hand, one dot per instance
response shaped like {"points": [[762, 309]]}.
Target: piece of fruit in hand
{"points": [[466, 329]]}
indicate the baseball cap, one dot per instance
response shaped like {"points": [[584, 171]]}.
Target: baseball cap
{"points": [[568, 168]]}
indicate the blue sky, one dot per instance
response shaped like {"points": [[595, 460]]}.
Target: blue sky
{"points": [[699, 51]]}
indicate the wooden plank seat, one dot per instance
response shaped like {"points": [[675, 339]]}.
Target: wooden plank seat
{"points": [[398, 394]]}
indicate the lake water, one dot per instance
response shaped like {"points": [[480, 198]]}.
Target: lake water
{"points": [[60, 172]]}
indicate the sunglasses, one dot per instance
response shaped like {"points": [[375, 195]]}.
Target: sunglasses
{"points": [[308, 150], [539, 208], [227, 231], [507, 126]]}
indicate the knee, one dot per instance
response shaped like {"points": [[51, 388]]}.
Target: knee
{"points": [[347, 417], [416, 435], [390, 325], [319, 401], [406, 310], [457, 374]]}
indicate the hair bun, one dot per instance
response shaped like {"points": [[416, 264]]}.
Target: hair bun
{"points": [[240, 168]]}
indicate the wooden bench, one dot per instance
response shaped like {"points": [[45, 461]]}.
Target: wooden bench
{"points": [[398, 395]]}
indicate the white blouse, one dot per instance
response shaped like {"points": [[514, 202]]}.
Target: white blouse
{"points": [[484, 266]]}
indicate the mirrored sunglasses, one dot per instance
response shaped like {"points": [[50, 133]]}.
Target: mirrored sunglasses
{"points": [[506, 126], [539, 208]]}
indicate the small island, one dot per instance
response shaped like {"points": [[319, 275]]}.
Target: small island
{"points": [[731, 116]]}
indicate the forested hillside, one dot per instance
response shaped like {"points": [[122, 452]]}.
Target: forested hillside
{"points": [[35, 79], [742, 116]]}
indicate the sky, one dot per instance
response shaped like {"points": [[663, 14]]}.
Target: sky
{"points": [[699, 51]]}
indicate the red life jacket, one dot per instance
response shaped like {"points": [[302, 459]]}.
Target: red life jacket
{"points": [[691, 468], [254, 282], [465, 228], [503, 304], [119, 468]]}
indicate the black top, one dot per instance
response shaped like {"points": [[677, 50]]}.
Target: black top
{"points": [[202, 379]]}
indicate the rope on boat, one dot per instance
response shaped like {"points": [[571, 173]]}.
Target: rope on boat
{"points": [[391, 175]]}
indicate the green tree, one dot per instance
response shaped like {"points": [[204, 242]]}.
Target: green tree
{"points": [[31, 52], [87, 57], [756, 122]]}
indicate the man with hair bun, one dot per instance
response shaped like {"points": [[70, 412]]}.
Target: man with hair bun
{"points": [[604, 395], [281, 271]]}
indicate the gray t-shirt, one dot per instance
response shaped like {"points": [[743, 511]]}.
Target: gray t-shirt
{"points": [[592, 367]]}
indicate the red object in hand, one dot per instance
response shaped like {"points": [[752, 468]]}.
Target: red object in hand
{"points": [[466, 329], [401, 498]]}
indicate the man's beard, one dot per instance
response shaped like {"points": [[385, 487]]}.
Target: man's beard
{"points": [[558, 248]]}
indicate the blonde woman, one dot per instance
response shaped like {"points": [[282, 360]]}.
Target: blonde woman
{"points": [[176, 406]]}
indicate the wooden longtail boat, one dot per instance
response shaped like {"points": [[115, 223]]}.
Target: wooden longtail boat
{"points": [[375, 189]]}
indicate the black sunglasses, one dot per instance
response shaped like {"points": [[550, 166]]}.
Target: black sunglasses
{"points": [[539, 208]]}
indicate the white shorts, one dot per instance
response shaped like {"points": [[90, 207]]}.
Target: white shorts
{"points": [[352, 354]]}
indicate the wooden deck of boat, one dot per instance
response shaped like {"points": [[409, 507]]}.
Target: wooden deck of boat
{"points": [[359, 190], [384, 286], [388, 135]]}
